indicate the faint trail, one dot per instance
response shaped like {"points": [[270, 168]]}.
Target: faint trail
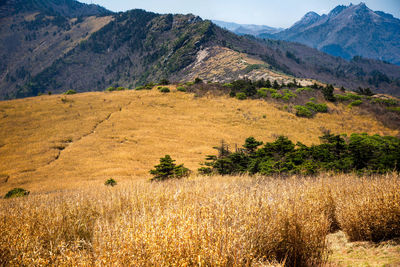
{"points": [[92, 131]]}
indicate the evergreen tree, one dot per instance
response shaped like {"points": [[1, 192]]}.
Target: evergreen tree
{"points": [[168, 169]]}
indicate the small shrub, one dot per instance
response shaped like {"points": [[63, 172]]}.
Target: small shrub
{"points": [[347, 97], [189, 83], [323, 108], [387, 102], [271, 90], [198, 80], [165, 90], [355, 103], [181, 89], [302, 111], [164, 82], [70, 92], [304, 89], [313, 99], [149, 86], [228, 85], [16, 192], [328, 93], [110, 182], [140, 88], [262, 93], [288, 95], [276, 95], [241, 96], [110, 89], [394, 109]]}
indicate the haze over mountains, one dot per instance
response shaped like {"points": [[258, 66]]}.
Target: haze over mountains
{"points": [[57, 45], [347, 31]]}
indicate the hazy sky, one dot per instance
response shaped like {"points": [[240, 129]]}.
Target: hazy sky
{"points": [[275, 13]]}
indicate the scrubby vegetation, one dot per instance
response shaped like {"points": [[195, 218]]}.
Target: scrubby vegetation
{"points": [[70, 92], [359, 153], [305, 101], [16, 192], [110, 182]]}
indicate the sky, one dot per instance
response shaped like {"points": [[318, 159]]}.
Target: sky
{"points": [[274, 13]]}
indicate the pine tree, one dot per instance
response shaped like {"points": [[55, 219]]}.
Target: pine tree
{"points": [[167, 169]]}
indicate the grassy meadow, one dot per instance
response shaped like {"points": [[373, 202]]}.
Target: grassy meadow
{"points": [[62, 148], [59, 142]]}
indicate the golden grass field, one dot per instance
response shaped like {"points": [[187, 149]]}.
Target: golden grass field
{"points": [[206, 221], [63, 148], [57, 142]]}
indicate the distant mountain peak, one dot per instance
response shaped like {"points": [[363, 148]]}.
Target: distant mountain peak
{"points": [[311, 15], [307, 19], [349, 31], [337, 10]]}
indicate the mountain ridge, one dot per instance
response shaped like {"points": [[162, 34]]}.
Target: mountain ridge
{"points": [[137, 47], [346, 31]]}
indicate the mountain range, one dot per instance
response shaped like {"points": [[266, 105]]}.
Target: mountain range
{"points": [[57, 45], [347, 31], [243, 29]]}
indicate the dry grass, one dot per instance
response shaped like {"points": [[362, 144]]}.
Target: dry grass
{"points": [[345, 253], [48, 144], [213, 221]]}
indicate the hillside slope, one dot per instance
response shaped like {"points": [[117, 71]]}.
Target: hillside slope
{"points": [[43, 53], [54, 142]]}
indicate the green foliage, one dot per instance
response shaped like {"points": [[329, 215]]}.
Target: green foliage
{"points": [[287, 95], [165, 90], [181, 89], [327, 91], [138, 88], [304, 89], [16, 192], [110, 182], [252, 67], [347, 97], [394, 109], [361, 153], [276, 95], [323, 108], [262, 92], [163, 82], [241, 96], [70, 92], [365, 91], [355, 103], [271, 90], [275, 85], [302, 111], [387, 102], [245, 86], [111, 89], [251, 144], [167, 169], [198, 80], [227, 85]]}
